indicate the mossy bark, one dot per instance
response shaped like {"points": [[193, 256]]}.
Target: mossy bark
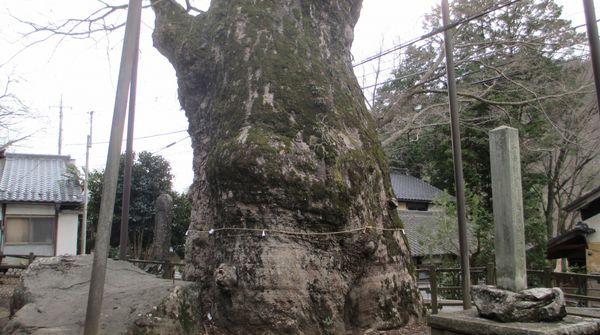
{"points": [[282, 141]]}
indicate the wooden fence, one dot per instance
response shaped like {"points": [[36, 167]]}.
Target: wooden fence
{"points": [[168, 267], [444, 284]]}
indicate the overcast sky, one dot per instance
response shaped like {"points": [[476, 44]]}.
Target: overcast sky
{"points": [[84, 73]]}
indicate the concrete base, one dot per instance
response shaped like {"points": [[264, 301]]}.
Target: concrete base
{"points": [[469, 323]]}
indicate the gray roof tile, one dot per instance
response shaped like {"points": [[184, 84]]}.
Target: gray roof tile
{"points": [[37, 178], [426, 235], [420, 227], [410, 188]]}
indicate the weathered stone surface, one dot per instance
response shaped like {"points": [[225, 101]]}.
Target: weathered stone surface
{"points": [[469, 323], [283, 142], [507, 196], [163, 219], [532, 305], [53, 295]]}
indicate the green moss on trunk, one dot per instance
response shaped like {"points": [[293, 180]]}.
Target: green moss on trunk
{"points": [[283, 142]]}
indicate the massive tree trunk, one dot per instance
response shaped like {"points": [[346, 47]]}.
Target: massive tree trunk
{"points": [[283, 143]]}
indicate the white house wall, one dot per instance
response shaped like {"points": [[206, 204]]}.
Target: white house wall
{"points": [[66, 230], [594, 222], [66, 235], [25, 249], [30, 209]]}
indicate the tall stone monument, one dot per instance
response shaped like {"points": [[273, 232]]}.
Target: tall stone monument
{"points": [[510, 308], [507, 197], [163, 219]]}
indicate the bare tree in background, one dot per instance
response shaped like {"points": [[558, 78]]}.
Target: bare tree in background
{"points": [[528, 70], [12, 111]]}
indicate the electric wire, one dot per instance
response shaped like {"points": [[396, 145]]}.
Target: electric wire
{"points": [[434, 32], [136, 138]]}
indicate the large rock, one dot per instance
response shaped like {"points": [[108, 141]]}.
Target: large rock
{"points": [[532, 305], [52, 298]]}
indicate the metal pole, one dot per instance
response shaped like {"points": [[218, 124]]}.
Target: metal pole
{"points": [[111, 173], [61, 108], [458, 165], [124, 237], [592, 32], [85, 188], [60, 123]]}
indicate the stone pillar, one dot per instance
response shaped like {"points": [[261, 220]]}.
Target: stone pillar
{"points": [[162, 227], [511, 272]]}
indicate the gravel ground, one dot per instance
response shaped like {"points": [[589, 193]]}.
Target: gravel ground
{"points": [[414, 329]]}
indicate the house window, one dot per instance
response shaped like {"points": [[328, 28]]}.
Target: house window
{"points": [[39, 230], [417, 206]]}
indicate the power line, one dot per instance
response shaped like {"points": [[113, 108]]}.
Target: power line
{"points": [[170, 144], [434, 32], [582, 56], [137, 138], [583, 25]]}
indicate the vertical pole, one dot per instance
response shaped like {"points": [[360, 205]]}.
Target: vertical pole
{"points": [[124, 237], [592, 33], [60, 125], [60, 107], [458, 165], [547, 276], [433, 289], [489, 274], [94, 304], [85, 188], [167, 269]]}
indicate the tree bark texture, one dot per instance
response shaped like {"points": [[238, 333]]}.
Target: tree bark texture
{"points": [[283, 142]]}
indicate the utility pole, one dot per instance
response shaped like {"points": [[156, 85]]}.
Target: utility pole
{"points": [[124, 237], [592, 33], [111, 173], [458, 164], [85, 187], [60, 123]]}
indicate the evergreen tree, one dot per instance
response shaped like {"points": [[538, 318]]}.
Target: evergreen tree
{"points": [[151, 176]]}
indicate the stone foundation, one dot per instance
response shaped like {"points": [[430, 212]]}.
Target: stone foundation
{"points": [[469, 323]]}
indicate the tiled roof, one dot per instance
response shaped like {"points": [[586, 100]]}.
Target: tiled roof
{"points": [[583, 200], [410, 188], [37, 178], [420, 228], [428, 236]]}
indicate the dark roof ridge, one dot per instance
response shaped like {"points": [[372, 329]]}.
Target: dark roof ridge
{"points": [[583, 200]]}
